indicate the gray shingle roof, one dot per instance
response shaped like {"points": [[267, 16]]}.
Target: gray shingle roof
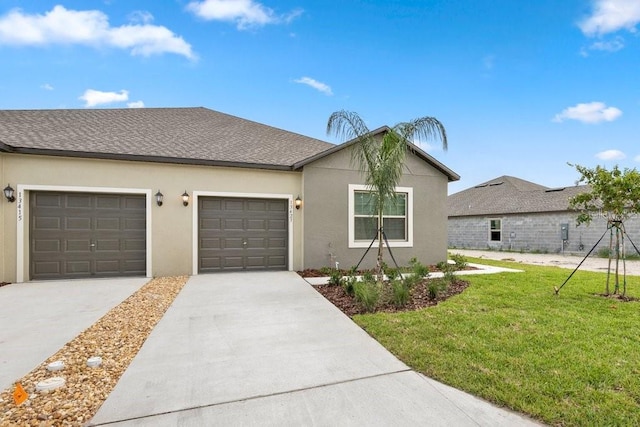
{"points": [[184, 135], [509, 195]]}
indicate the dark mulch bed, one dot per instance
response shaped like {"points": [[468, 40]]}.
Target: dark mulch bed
{"points": [[419, 297]]}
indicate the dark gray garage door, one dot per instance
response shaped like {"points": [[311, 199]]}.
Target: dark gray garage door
{"points": [[76, 235], [242, 234]]}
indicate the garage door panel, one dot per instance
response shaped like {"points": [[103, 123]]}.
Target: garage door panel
{"points": [[52, 245], [78, 267], [135, 245], [80, 245], [46, 223], [276, 242], [53, 268], [136, 203], [104, 245], [107, 201], [231, 224], [96, 235], [74, 223], [245, 229], [233, 205], [50, 200], [134, 223], [256, 224], [232, 262], [108, 224], [232, 243], [77, 201], [210, 224]]}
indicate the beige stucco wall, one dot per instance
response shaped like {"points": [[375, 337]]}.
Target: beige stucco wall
{"points": [[325, 189], [172, 224]]}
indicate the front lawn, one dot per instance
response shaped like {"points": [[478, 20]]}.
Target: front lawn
{"points": [[568, 359]]}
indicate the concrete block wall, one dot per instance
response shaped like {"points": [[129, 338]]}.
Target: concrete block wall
{"points": [[536, 233]]}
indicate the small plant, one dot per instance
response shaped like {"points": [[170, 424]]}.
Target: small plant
{"points": [[367, 294], [401, 292], [335, 277], [460, 260], [436, 286], [326, 271], [367, 276], [349, 281], [418, 269], [392, 273]]}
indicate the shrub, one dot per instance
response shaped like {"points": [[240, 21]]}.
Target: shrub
{"points": [[436, 286], [418, 269], [367, 294], [392, 273], [368, 276], [335, 277], [460, 260], [401, 292], [349, 282]]}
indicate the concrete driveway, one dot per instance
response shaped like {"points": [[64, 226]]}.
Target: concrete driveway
{"points": [[267, 349], [38, 318]]}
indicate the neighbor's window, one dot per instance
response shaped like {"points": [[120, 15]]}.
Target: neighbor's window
{"points": [[495, 230], [397, 218]]}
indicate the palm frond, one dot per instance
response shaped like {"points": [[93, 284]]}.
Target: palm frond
{"points": [[423, 128]]}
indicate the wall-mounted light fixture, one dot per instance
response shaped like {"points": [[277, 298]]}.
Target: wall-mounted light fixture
{"points": [[185, 198], [9, 193], [298, 202], [159, 198]]}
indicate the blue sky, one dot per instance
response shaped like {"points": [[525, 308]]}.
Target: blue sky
{"points": [[522, 87]]}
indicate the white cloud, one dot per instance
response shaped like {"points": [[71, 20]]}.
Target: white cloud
{"points": [[135, 104], [610, 16], [244, 13], [46, 86], [322, 87], [93, 97], [637, 158], [90, 28], [592, 112], [613, 45], [611, 155]]}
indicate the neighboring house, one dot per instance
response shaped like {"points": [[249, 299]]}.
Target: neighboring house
{"points": [[509, 213], [167, 191]]}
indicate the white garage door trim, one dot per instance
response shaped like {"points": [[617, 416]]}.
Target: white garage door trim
{"points": [[196, 194], [20, 206]]}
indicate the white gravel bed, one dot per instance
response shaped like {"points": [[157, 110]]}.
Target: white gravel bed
{"points": [[116, 338]]}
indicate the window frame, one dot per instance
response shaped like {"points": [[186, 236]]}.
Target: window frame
{"points": [[353, 243], [491, 230]]}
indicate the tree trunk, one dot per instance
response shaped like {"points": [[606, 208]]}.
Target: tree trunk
{"points": [[379, 272], [609, 263], [617, 287]]}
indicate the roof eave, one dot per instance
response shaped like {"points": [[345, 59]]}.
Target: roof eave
{"points": [[451, 175], [142, 158]]}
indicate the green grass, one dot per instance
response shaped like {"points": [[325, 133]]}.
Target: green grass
{"points": [[568, 359]]}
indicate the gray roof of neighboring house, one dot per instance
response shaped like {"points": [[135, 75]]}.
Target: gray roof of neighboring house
{"points": [[451, 175], [510, 195], [176, 135]]}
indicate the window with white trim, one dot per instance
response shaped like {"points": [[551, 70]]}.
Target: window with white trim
{"points": [[495, 230], [363, 220]]}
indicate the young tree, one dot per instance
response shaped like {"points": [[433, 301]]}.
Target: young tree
{"points": [[615, 194], [381, 162]]}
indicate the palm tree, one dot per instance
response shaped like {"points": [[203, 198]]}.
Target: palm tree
{"points": [[381, 162]]}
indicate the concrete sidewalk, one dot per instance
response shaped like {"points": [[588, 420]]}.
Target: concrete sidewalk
{"points": [[39, 318], [592, 263], [266, 349]]}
